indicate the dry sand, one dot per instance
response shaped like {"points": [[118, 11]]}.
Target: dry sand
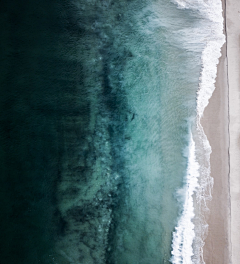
{"points": [[221, 123], [233, 55]]}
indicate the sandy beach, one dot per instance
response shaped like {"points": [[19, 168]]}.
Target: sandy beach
{"points": [[215, 123], [233, 54], [221, 123]]}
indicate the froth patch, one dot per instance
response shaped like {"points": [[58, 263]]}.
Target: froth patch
{"points": [[184, 234]]}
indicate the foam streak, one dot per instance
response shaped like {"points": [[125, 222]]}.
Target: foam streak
{"points": [[184, 232], [188, 239]]}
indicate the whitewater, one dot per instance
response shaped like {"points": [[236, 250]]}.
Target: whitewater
{"points": [[192, 228]]}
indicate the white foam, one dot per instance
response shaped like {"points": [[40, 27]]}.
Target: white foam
{"points": [[210, 9], [210, 58], [188, 239], [184, 234]]}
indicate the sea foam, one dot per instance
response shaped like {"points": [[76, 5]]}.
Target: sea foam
{"points": [[189, 235], [184, 232]]}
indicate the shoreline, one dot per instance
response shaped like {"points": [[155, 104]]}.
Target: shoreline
{"points": [[221, 122], [215, 122]]}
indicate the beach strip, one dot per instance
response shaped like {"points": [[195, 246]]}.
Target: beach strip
{"points": [[215, 121], [221, 123], [233, 57]]}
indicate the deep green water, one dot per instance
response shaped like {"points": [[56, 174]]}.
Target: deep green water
{"points": [[96, 99]]}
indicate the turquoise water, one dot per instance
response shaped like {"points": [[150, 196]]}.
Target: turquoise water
{"points": [[98, 101]]}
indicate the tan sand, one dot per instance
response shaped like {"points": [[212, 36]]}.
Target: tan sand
{"points": [[221, 123], [217, 249], [233, 54], [215, 123]]}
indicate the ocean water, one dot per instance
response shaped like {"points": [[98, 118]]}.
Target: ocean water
{"points": [[103, 157]]}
